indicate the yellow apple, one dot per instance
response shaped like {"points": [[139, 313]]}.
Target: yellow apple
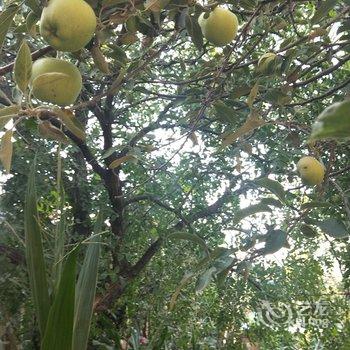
{"points": [[220, 27], [311, 170], [56, 81], [67, 25]]}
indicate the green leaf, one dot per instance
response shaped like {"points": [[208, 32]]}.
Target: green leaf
{"points": [[106, 3], [248, 5], [85, 290], [35, 255], [59, 329], [334, 228], [118, 81], [275, 240], [189, 237], [4, 99], [272, 202], [71, 122], [240, 91], [116, 163], [185, 280], [286, 42], [34, 6], [157, 342], [223, 112], [323, 10], [215, 255], [134, 339], [118, 54], [223, 262], [273, 186], [344, 27], [130, 25], [243, 266], [7, 113], [253, 122], [204, 279], [6, 150], [221, 277], [283, 99], [317, 32], [313, 204], [252, 95], [110, 151], [308, 231], [6, 18], [248, 243], [31, 20], [60, 233], [144, 25], [251, 210], [310, 221], [49, 131], [194, 31], [333, 122], [99, 60], [23, 67]]}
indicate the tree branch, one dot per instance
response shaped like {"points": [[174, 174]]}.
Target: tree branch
{"points": [[220, 202], [323, 73], [35, 55], [330, 92], [116, 290], [339, 172], [146, 129], [156, 200], [49, 115], [145, 258]]}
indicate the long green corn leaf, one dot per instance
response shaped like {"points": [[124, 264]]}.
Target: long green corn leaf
{"points": [[59, 329], [59, 242], [61, 225], [34, 255], [85, 291]]}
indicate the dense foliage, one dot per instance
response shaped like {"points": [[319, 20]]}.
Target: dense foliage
{"points": [[189, 153]]}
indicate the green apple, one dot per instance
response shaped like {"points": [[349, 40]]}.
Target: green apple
{"points": [[220, 27], [56, 81], [266, 62], [67, 25]]}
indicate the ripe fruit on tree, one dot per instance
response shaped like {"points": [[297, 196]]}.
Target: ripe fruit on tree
{"points": [[311, 170], [220, 27], [265, 62], [67, 25], [56, 81]]}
